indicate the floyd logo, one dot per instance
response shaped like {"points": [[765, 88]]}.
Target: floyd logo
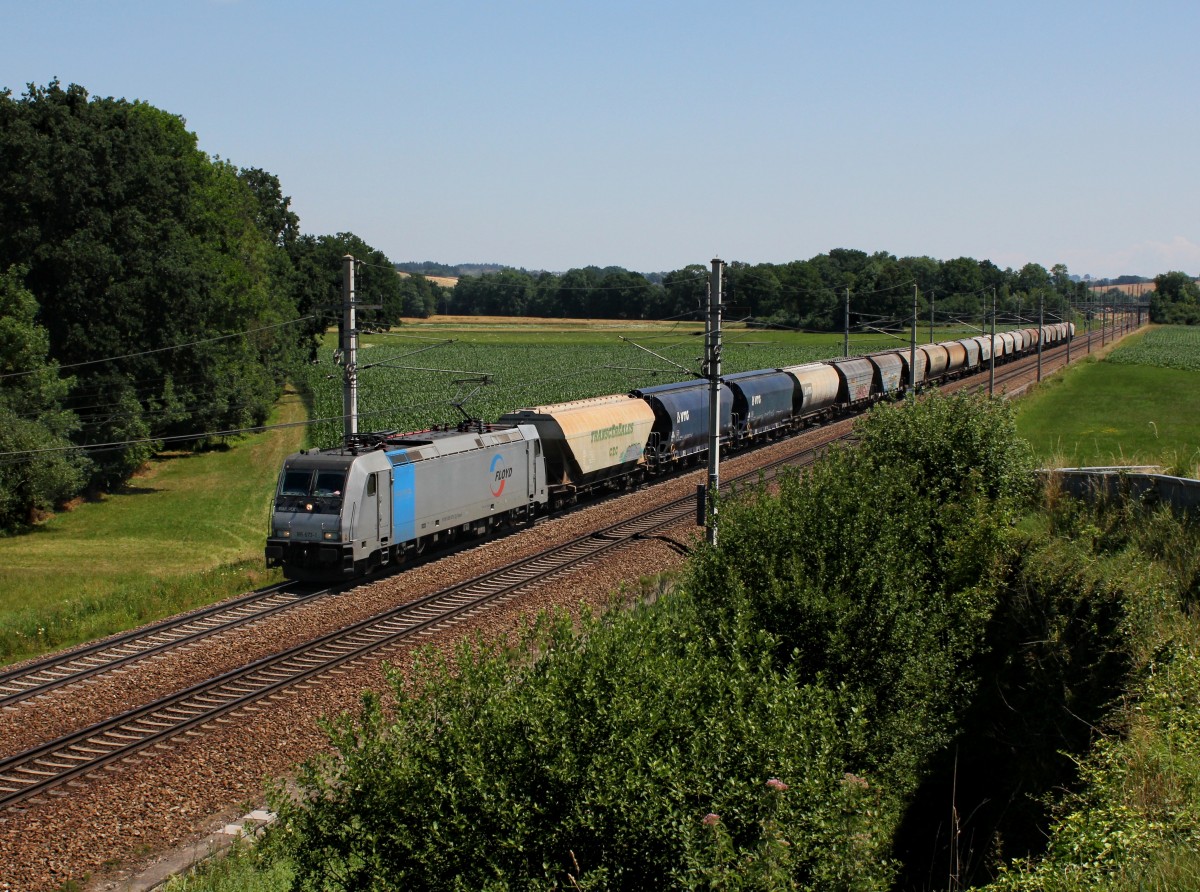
{"points": [[500, 475]]}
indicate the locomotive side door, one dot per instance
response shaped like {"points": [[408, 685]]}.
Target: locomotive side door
{"points": [[383, 529], [369, 517], [534, 454]]}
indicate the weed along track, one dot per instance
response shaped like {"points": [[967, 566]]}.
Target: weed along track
{"points": [[171, 760], [41, 677]]}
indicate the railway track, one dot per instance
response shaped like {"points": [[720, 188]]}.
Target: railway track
{"points": [[46, 768], [1020, 369], [39, 678], [42, 769]]}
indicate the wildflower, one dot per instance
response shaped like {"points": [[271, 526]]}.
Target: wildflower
{"points": [[776, 784], [853, 780]]}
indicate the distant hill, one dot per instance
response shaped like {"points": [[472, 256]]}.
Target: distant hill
{"points": [[1142, 287]]}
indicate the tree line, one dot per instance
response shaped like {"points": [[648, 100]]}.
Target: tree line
{"points": [[148, 291], [807, 294]]}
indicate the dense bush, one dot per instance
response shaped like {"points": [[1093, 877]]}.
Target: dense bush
{"points": [[1055, 655], [879, 569], [1175, 300], [762, 727], [1132, 819], [600, 762]]}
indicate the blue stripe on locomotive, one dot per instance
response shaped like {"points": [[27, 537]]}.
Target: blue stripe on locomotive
{"points": [[404, 501], [681, 413], [763, 398]]}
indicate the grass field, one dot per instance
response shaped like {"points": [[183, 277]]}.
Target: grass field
{"points": [[188, 530], [1129, 409]]}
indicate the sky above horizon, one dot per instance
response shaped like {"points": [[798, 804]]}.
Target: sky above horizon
{"points": [[652, 135]]}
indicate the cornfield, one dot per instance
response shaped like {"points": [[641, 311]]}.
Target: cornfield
{"points": [[1172, 347], [410, 386]]}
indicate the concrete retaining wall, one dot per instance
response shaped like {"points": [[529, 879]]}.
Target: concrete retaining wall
{"points": [[1128, 482]]}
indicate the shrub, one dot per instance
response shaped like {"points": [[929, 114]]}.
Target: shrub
{"points": [[597, 765], [878, 569]]}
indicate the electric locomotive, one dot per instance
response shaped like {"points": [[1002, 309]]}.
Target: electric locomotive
{"points": [[346, 510]]}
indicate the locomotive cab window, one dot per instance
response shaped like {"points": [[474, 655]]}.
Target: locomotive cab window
{"points": [[296, 483], [371, 485], [307, 484], [329, 483]]}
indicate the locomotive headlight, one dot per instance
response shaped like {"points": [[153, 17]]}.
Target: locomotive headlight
{"points": [[329, 537], [285, 533]]}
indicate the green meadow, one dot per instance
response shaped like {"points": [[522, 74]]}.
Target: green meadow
{"points": [[1140, 405], [187, 531]]}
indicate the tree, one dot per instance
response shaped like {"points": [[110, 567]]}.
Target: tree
{"points": [[752, 290], [544, 297], [1176, 299], [1177, 287], [32, 418], [961, 276], [1032, 278], [886, 290], [274, 216], [575, 288], [145, 256], [684, 293], [809, 302], [420, 296], [505, 293], [318, 268], [621, 295]]}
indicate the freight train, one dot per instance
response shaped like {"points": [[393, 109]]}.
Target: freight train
{"points": [[383, 497]]}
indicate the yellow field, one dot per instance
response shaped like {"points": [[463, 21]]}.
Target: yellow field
{"points": [[1134, 290], [444, 281]]}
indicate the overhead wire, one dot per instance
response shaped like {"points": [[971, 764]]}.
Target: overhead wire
{"points": [[90, 448], [240, 334]]}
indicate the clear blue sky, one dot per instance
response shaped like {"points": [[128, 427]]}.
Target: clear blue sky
{"points": [[654, 134]]}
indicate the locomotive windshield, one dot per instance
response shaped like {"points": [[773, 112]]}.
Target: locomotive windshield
{"points": [[308, 483], [296, 483], [329, 483]]}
